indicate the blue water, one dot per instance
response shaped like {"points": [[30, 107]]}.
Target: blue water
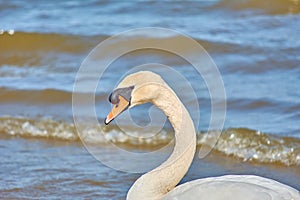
{"points": [[255, 48]]}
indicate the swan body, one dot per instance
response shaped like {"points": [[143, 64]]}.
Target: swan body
{"points": [[246, 187], [159, 183]]}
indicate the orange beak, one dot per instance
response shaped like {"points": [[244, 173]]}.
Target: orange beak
{"points": [[117, 109]]}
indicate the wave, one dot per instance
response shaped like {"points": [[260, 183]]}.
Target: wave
{"points": [[56, 96], [242, 143], [38, 49], [48, 96], [36, 42], [251, 145], [271, 7], [25, 50], [43, 96]]}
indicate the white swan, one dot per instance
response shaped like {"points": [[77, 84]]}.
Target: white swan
{"points": [[145, 86]]}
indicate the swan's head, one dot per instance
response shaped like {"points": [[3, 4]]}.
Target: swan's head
{"points": [[134, 89]]}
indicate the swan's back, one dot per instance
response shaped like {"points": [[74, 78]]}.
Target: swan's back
{"points": [[233, 187]]}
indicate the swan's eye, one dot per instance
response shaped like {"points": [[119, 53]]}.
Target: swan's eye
{"points": [[113, 98]]}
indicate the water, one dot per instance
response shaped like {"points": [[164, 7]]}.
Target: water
{"points": [[255, 45]]}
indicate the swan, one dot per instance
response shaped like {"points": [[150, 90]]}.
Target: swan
{"points": [[146, 86]]}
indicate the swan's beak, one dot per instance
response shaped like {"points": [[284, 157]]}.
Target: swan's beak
{"points": [[117, 109]]}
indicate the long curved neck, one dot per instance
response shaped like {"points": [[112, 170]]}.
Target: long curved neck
{"points": [[156, 183]]}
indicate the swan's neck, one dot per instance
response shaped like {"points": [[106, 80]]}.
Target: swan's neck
{"points": [[156, 183]]}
